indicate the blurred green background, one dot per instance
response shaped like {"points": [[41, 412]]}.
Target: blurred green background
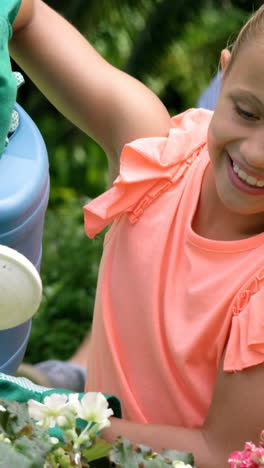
{"points": [[171, 45]]}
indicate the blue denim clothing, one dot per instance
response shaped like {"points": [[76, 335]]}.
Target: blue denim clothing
{"points": [[210, 96]]}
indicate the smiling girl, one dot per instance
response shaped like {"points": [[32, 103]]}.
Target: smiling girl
{"points": [[178, 330]]}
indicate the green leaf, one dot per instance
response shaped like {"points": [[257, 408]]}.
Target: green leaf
{"points": [[144, 450], [58, 458], [15, 421], [10, 457], [33, 449], [156, 463], [181, 456], [100, 449], [16, 416], [149, 459], [30, 443], [122, 454]]}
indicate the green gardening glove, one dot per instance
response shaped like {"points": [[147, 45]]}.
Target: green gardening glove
{"points": [[8, 85]]}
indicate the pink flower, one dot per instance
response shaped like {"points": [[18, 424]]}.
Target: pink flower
{"points": [[258, 456], [250, 457]]}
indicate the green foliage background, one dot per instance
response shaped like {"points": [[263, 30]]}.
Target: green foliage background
{"points": [[173, 47]]}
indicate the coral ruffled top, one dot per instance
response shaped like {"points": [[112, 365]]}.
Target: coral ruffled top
{"points": [[169, 302]]}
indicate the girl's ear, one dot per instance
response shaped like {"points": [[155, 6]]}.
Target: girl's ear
{"points": [[225, 57]]}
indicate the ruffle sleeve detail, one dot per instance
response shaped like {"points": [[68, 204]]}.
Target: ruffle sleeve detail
{"points": [[148, 167], [245, 347]]}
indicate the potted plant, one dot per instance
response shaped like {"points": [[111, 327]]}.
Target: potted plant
{"points": [[27, 436]]}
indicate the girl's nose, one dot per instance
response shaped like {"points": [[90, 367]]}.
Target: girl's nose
{"points": [[252, 149]]}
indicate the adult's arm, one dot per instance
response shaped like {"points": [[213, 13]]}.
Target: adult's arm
{"points": [[106, 103]]}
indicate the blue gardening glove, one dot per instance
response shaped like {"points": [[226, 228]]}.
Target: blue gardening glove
{"points": [[8, 84]]}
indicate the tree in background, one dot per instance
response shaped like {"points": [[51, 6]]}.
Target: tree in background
{"points": [[173, 47]]}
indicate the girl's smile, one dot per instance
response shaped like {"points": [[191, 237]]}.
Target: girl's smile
{"points": [[236, 139], [245, 180]]}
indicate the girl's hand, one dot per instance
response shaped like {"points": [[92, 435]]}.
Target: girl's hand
{"points": [[24, 16]]}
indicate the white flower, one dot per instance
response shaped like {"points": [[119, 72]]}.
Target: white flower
{"points": [[77, 458], [55, 410], [92, 408], [4, 439], [2, 408], [54, 440], [180, 464]]}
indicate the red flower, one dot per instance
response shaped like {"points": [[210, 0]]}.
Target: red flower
{"points": [[250, 457]]}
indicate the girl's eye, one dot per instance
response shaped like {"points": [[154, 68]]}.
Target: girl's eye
{"points": [[245, 114]]}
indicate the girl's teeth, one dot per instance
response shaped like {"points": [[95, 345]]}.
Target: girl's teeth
{"points": [[246, 178]]}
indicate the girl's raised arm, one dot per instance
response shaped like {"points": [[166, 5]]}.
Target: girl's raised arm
{"points": [[107, 104]]}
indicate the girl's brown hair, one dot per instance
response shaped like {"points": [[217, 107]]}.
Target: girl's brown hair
{"points": [[253, 28]]}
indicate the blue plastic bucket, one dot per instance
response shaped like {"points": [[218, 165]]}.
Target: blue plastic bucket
{"points": [[24, 193], [13, 347]]}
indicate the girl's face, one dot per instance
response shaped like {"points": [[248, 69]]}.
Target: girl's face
{"points": [[236, 133]]}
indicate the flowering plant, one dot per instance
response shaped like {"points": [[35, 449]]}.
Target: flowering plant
{"points": [[26, 438], [250, 457]]}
